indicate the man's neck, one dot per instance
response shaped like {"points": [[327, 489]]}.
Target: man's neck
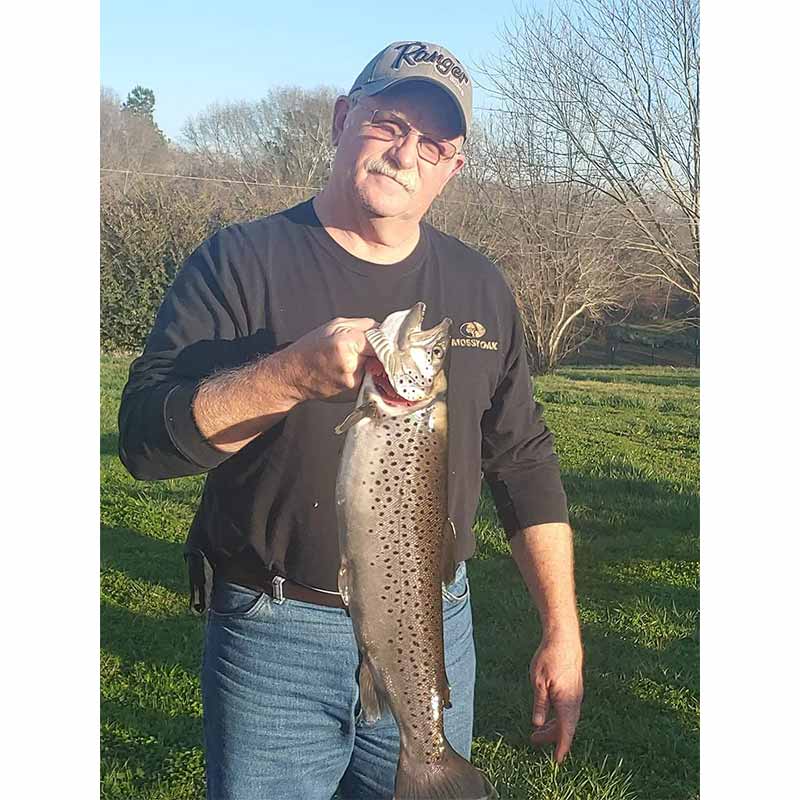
{"points": [[375, 239]]}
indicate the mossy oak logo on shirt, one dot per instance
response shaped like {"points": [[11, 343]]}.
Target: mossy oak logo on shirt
{"points": [[474, 333], [473, 329]]}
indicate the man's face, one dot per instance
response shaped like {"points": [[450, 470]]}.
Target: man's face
{"points": [[390, 178]]}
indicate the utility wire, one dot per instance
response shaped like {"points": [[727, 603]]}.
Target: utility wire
{"points": [[213, 180], [248, 183]]}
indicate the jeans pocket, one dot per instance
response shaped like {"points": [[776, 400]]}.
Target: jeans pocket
{"points": [[232, 601], [458, 591]]}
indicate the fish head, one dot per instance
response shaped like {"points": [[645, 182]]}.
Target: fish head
{"points": [[409, 364]]}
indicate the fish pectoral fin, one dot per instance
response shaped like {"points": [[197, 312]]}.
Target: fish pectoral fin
{"points": [[373, 701], [446, 694], [448, 566], [367, 410], [344, 583]]}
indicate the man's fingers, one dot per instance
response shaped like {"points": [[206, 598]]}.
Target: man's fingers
{"points": [[362, 345], [563, 729], [354, 342], [554, 732], [367, 350], [560, 730], [353, 334], [568, 715], [362, 324], [541, 704], [545, 734], [564, 743], [566, 732]]}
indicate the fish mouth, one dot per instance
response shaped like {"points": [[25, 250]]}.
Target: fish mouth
{"points": [[384, 387], [399, 371]]}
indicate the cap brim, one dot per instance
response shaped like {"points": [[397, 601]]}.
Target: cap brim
{"points": [[376, 87]]}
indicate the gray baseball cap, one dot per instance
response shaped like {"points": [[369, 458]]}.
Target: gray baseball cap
{"points": [[419, 61]]}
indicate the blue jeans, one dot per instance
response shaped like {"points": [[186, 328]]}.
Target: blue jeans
{"points": [[281, 714]]}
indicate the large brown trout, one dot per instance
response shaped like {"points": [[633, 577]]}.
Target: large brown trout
{"points": [[397, 549]]}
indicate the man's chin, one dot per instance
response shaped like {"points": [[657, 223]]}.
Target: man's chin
{"points": [[383, 205]]}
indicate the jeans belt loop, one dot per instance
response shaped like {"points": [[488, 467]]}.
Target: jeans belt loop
{"points": [[277, 589]]}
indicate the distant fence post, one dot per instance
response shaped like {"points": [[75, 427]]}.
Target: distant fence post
{"points": [[611, 346]]}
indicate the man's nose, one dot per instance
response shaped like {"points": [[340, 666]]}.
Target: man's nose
{"points": [[404, 152]]}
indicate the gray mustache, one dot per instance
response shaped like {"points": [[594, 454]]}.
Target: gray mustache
{"points": [[382, 168]]}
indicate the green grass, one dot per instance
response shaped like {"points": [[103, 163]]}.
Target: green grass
{"points": [[628, 443]]}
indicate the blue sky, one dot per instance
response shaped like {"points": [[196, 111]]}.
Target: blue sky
{"points": [[194, 53]]}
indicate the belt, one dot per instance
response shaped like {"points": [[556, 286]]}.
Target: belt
{"points": [[277, 586]]}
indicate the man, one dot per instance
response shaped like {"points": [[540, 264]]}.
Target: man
{"points": [[255, 357]]}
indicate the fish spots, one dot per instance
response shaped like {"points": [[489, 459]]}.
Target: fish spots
{"points": [[402, 491]]}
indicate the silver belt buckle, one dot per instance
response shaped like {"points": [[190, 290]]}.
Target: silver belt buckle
{"points": [[277, 589]]}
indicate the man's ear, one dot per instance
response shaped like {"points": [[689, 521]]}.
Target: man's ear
{"points": [[340, 111], [458, 164]]}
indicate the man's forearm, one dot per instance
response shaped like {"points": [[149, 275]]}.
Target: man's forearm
{"points": [[233, 407], [544, 556]]}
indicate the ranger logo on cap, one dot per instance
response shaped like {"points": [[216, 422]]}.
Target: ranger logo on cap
{"points": [[421, 61], [413, 53]]}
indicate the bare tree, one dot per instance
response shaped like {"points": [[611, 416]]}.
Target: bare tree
{"points": [[284, 137], [472, 206], [559, 242], [614, 85]]}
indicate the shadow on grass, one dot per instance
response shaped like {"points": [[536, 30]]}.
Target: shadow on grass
{"points": [[181, 731], [639, 700], [165, 641], [143, 744], [175, 492], [144, 558], [632, 516], [141, 748], [109, 443]]}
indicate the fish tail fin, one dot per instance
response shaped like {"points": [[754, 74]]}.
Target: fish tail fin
{"points": [[451, 778]]}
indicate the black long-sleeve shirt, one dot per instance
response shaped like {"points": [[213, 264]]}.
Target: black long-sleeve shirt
{"points": [[255, 287]]}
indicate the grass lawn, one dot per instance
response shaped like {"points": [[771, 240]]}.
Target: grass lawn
{"points": [[628, 440]]}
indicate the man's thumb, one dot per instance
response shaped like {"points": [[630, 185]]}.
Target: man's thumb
{"points": [[541, 705]]}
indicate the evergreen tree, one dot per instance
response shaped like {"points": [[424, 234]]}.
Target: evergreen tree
{"points": [[141, 102]]}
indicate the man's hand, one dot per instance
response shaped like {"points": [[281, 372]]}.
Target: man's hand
{"points": [[557, 681], [330, 359], [543, 554]]}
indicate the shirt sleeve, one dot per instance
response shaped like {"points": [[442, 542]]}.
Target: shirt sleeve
{"points": [[202, 312], [519, 463]]}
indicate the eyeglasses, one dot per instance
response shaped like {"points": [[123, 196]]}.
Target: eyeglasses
{"points": [[386, 126]]}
